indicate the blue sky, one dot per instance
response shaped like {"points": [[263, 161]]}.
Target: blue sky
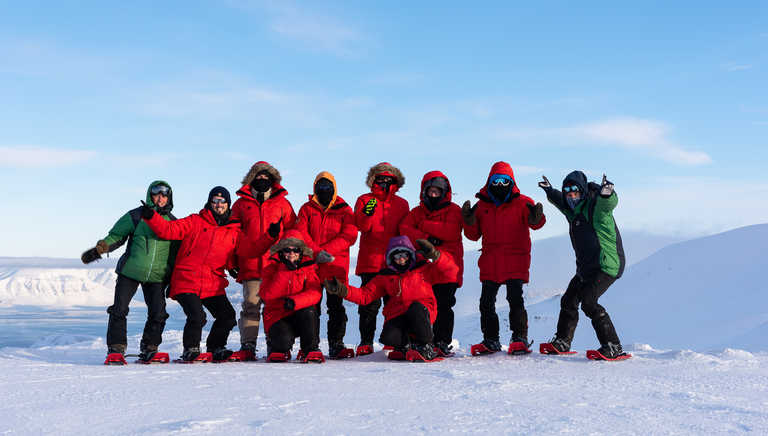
{"points": [[100, 98]]}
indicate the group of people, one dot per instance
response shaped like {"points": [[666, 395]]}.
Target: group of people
{"points": [[409, 259]]}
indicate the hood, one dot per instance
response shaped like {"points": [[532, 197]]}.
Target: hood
{"points": [[259, 167], [425, 183], [329, 176], [399, 243], [387, 169], [168, 207], [499, 168], [577, 178], [292, 238]]}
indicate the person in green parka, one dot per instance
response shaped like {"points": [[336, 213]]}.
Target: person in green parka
{"points": [[595, 237], [148, 262]]}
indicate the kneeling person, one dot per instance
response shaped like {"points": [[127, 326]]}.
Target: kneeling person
{"points": [[208, 242], [411, 308], [290, 291]]}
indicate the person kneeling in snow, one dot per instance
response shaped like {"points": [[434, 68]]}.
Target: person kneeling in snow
{"points": [[291, 290], [208, 242], [411, 308]]}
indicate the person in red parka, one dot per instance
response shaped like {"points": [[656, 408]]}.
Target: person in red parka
{"points": [[290, 291], [377, 215], [503, 217], [327, 224], [208, 242], [262, 208], [411, 308], [439, 221]]}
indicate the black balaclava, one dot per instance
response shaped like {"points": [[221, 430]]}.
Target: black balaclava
{"points": [[396, 266], [262, 185], [324, 191], [500, 192], [432, 203], [385, 182], [220, 191]]}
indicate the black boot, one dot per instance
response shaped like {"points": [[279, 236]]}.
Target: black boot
{"points": [[116, 348], [560, 344], [220, 354], [147, 352], [427, 351], [611, 350], [334, 348], [190, 354], [492, 344], [444, 348]]}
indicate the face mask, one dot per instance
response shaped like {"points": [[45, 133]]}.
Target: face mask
{"points": [[500, 192], [324, 192], [572, 202], [432, 202], [261, 185]]}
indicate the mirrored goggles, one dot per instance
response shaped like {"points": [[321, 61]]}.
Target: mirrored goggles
{"points": [[501, 181], [572, 188], [400, 255], [218, 200], [160, 189]]}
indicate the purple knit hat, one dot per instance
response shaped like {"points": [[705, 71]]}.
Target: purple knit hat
{"points": [[400, 243]]}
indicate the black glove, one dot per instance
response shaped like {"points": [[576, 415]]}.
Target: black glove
{"points": [[234, 272], [606, 188], [90, 255], [427, 249], [274, 229], [435, 241], [335, 287], [536, 213], [468, 213], [102, 246], [544, 184], [146, 212], [288, 303], [324, 257], [370, 207]]}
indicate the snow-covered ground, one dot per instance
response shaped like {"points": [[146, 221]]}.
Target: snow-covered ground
{"points": [[700, 305]]}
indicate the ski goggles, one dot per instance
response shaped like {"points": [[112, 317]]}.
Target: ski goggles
{"points": [[572, 188], [218, 200], [296, 250], [501, 181], [400, 255], [160, 189]]}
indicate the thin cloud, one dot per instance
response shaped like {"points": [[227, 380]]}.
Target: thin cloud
{"points": [[737, 67], [41, 157]]}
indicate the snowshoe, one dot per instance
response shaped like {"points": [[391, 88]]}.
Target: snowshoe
{"points": [[338, 350], [155, 357], [485, 347], [422, 353], [444, 349], [312, 356], [548, 348], [221, 355], [387, 348], [608, 351], [519, 346], [242, 356], [115, 359], [397, 353], [193, 355], [364, 349], [277, 356]]}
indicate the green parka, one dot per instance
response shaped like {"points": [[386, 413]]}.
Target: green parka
{"points": [[147, 259]]}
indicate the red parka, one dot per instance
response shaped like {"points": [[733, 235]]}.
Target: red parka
{"points": [[329, 228], [377, 229], [444, 223], [256, 218], [506, 246], [278, 282], [206, 251], [405, 288]]}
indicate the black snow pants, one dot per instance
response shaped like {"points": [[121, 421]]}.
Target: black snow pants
{"points": [[413, 324], [586, 291], [368, 313], [223, 314], [302, 323], [518, 317], [154, 297], [445, 294]]}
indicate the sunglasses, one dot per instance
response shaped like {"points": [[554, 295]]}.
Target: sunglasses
{"points": [[572, 188], [160, 189], [384, 179], [401, 255], [500, 181], [218, 201], [291, 250]]}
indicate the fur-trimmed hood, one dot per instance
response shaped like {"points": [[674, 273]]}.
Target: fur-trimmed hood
{"points": [[259, 167], [385, 168], [292, 238]]}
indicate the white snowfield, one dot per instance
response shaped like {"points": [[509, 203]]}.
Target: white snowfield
{"points": [[687, 313]]}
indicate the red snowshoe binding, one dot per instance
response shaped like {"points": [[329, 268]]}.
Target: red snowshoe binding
{"points": [[485, 347], [115, 359], [443, 350], [397, 354], [200, 358], [156, 358], [312, 356], [364, 349], [388, 348], [555, 347], [518, 348], [608, 351], [242, 356], [279, 357], [337, 350], [422, 353]]}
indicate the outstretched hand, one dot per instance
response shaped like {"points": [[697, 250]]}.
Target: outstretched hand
{"points": [[335, 287], [427, 249], [468, 213], [606, 187], [146, 212], [535, 214], [544, 184], [324, 257]]}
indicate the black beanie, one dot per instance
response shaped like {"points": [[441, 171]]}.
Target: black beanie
{"points": [[220, 191]]}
